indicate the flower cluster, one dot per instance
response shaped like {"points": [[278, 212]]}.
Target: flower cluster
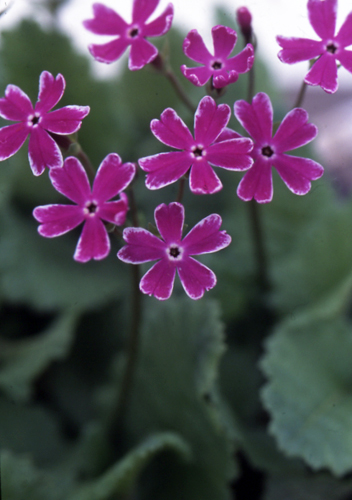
{"points": [[212, 144]]}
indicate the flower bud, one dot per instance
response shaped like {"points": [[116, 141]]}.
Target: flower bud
{"points": [[244, 19]]}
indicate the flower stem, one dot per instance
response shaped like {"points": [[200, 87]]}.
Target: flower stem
{"points": [[165, 69], [259, 247], [254, 214], [119, 410], [301, 95], [181, 189], [170, 75]]}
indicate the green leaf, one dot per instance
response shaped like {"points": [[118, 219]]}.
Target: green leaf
{"points": [[21, 480], [41, 272], [319, 257], [308, 394], [121, 477], [31, 430], [24, 360], [176, 389], [306, 486]]}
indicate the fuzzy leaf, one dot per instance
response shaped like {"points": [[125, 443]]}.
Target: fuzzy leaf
{"points": [[308, 394], [176, 389]]}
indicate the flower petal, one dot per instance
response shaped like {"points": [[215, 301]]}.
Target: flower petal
{"points": [[143, 9], [142, 52], [256, 118], [65, 120], [205, 237], [43, 151], [227, 134], [169, 220], [159, 280], [322, 17], [224, 40], [298, 172], [198, 75], [195, 277], [109, 52], [294, 131], [203, 179], [161, 24], [71, 180], [345, 58], [57, 219], [172, 131], [114, 211], [12, 138], [243, 61], [257, 183], [112, 177], [210, 120], [223, 78], [16, 105], [142, 246], [194, 48], [50, 91], [105, 22], [344, 36], [94, 242], [324, 73], [298, 49], [165, 168], [232, 154]]}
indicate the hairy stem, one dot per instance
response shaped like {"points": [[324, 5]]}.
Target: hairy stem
{"points": [[301, 94]]}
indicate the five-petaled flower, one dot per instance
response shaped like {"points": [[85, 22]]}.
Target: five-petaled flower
{"points": [[38, 123], [328, 50], [220, 67], [210, 145], [172, 252], [268, 151], [107, 22], [92, 206]]}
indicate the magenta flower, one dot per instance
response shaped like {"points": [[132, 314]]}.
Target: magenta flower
{"points": [[173, 253], [328, 50], [92, 206], [38, 123], [220, 67], [294, 132], [207, 147], [107, 22]]}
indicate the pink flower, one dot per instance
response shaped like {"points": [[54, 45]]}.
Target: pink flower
{"points": [[92, 206], [107, 22], [294, 132], [220, 67], [173, 253], [328, 50], [38, 123], [207, 147]]}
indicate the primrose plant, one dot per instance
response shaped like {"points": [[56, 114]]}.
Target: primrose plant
{"points": [[105, 203]]}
